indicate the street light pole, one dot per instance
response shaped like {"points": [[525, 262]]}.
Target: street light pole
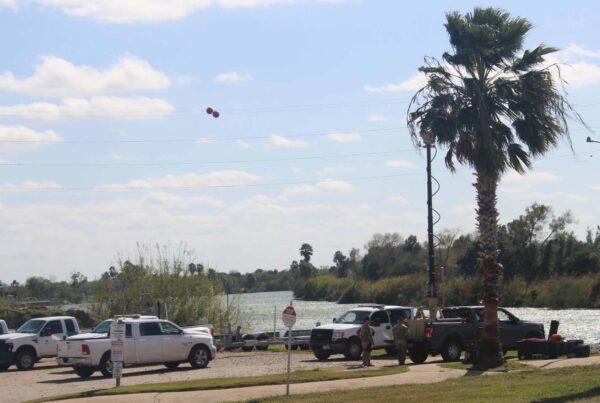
{"points": [[431, 288], [589, 140]]}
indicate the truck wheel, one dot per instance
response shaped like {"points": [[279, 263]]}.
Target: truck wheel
{"points": [[25, 359], [247, 348], [451, 351], [390, 350], [353, 350], [321, 355], [418, 353], [172, 365], [262, 348], [106, 365], [4, 367], [199, 357], [84, 372]]}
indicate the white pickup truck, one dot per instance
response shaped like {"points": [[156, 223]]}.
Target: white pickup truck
{"points": [[37, 338], [147, 342], [3, 327], [341, 336]]}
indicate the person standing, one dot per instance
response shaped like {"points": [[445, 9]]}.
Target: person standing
{"points": [[366, 333], [401, 339]]}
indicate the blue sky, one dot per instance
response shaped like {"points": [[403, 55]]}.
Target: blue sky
{"points": [[311, 145]]}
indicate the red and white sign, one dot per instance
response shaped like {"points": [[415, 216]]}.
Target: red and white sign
{"points": [[289, 317]]}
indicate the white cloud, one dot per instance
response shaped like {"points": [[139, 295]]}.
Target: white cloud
{"points": [[353, 137], [333, 170], [231, 77], [464, 210], [396, 200], [9, 4], [56, 77], [244, 144], [377, 118], [131, 11], [576, 66], [296, 170], [29, 185], [320, 187], [24, 138], [530, 178], [399, 164], [170, 200], [222, 178], [414, 83], [119, 108], [281, 141]]}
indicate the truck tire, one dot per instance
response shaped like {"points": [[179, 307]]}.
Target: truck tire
{"points": [[262, 348], [199, 357], [353, 350], [247, 348], [418, 353], [321, 355], [84, 372], [4, 367], [451, 351], [25, 359], [106, 365], [534, 335], [172, 365]]}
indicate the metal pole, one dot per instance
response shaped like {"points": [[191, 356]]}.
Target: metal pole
{"points": [[274, 320], [287, 387], [431, 292]]}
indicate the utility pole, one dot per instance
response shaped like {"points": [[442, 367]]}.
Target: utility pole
{"points": [[431, 288]]}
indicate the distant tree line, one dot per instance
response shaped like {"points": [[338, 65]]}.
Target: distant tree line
{"points": [[545, 264]]}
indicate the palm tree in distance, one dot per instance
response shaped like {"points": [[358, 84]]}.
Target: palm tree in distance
{"points": [[493, 109]]}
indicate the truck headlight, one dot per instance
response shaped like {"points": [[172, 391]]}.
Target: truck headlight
{"points": [[337, 335]]}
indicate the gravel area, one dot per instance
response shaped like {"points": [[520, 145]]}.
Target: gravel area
{"points": [[47, 379]]}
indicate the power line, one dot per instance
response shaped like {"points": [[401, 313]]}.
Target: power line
{"points": [[214, 162], [245, 185], [198, 139]]}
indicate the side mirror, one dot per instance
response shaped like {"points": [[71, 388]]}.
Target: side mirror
{"points": [[180, 331], [46, 332], [376, 322], [334, 319]]}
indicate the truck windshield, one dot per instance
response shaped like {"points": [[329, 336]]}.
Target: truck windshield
{"points": [[353, 317], [103, 327], [31, 326]]}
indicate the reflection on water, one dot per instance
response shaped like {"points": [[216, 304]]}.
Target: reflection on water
{"points": [[261, 308]]}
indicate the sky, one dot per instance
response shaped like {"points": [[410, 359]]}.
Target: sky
{"points": [[105, 142]]}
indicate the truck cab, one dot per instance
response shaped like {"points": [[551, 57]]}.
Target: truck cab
{"points": [[340, 337], [35, 339]]}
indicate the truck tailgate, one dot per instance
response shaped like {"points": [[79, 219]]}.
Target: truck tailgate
{"points": [[70, 348]]}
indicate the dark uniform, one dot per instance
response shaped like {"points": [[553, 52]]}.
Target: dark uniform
{"points": [[401, 340], [366, 334]]}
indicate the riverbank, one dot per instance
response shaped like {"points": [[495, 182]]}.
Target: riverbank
{"points": [[560, 292]]}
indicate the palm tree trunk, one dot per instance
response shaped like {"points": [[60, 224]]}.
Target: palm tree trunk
{"points": [[490, 350]]}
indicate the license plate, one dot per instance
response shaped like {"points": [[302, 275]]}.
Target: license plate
{"points": [[325, 347]]}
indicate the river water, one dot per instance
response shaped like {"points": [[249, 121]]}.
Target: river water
{"points": [[262, 307]]}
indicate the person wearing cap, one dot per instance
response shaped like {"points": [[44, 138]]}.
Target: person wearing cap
{"points": [[366, 333], [400, 331]]}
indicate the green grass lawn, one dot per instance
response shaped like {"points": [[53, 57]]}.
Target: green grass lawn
{"points": [[223, 383], [547, 386]]}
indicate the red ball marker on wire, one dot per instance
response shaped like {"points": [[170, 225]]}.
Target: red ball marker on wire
{"points": [[212, 112]]}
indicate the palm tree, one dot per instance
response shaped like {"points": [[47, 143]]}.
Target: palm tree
{"points": [[494, 109]]}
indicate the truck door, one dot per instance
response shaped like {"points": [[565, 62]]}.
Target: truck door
{"points": [[175, 344], [129, 346], [509, 330], [48, 339], [149, 346], [383, 329]]}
